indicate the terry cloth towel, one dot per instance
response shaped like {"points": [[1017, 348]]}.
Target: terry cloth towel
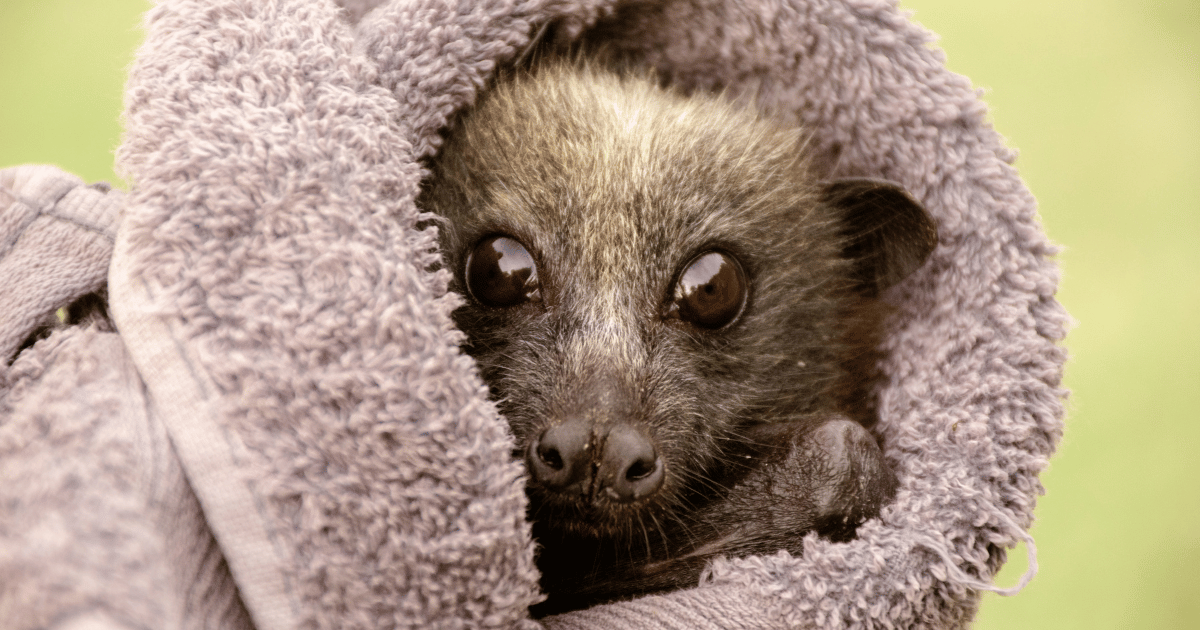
{"points": [[281, 433]]}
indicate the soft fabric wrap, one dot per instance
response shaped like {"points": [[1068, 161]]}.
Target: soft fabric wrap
{"points": [[281, 432]]}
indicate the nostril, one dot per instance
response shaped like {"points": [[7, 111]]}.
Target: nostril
{"points": [[558, 460], [550, 457], [640, 469], [630, 467]]}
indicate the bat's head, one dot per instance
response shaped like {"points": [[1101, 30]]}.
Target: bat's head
{"points": [[647, 276]]}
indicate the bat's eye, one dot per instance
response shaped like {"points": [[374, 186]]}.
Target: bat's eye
{"points": [[500, 272], [711, 291]]}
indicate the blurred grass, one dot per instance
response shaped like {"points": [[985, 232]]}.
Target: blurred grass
{"points": [[1103, 99], [62, 71]]}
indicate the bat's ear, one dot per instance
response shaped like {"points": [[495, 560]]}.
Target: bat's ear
{"points": [[887, 232]]}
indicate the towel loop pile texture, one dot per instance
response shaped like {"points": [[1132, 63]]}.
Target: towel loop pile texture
{"points": [[281, 432]]}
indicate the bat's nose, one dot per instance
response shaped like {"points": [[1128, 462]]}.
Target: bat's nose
{"points": [[620, 464]]}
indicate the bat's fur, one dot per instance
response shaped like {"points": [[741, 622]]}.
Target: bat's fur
{"points": [[613, 183]]}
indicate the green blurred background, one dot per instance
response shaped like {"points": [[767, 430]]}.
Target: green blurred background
{"points": [[1103, 100]]}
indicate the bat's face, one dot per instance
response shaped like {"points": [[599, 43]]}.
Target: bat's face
{"points": [[647, 278]]}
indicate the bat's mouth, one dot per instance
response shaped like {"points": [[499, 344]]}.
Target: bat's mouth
{"points": [[598, 519]]}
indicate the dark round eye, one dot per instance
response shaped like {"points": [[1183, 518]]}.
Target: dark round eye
{"points": [[501, 272], [710, 292]]}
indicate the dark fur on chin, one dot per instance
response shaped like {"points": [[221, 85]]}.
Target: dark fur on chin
{"points": [[613, 183]]}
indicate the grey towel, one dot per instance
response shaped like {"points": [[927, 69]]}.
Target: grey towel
{"points": [[284, 349]]}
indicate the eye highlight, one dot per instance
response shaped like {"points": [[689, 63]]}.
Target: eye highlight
{"points": [[500, 273], [711, 291]]}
